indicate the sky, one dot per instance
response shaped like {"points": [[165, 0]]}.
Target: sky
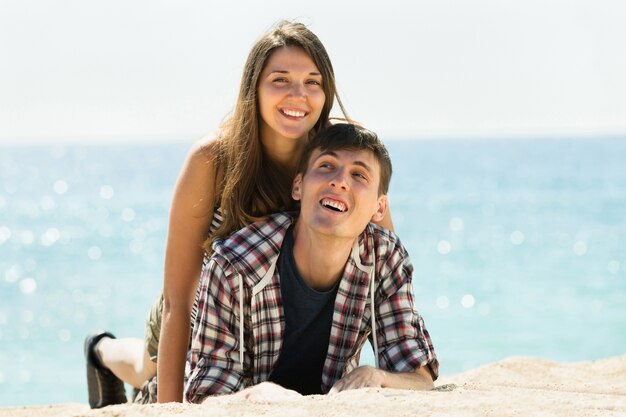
{"points": [[149, 69]]}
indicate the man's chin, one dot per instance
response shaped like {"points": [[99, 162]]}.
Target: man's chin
{"points": [[335, 231]]}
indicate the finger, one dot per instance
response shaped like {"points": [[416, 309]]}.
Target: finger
{"points": [[338, 387]]}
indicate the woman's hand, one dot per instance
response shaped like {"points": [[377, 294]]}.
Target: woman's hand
{"points": [[268, 392]]}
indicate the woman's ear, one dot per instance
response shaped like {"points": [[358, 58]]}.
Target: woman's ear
{"points": [[296, 189], [381, 208]]}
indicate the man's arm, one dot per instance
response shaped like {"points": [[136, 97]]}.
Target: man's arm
{"points": [[214, 356], [406, 356], [366, 376]]}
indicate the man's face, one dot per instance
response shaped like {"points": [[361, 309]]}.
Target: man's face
{"points": [[339, 193]]}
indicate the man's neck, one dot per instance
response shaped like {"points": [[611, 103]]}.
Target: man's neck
{"points": [[320, 259]]}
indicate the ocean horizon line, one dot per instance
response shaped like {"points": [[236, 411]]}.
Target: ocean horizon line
{"points": [[190, 138]]}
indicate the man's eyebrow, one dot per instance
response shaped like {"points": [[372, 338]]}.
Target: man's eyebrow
{"points": [[364, 165], [357, 162], [331, 153]]}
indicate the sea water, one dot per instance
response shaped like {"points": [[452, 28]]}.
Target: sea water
{"points": [[519, 248]]}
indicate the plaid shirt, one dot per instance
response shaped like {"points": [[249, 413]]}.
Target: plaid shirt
{"points": [[241, 276]]}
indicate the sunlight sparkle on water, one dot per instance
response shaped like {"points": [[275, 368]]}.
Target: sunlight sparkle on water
{"points": [[5, 234], [488, 209], [28, 286], [47, 203], [128, 214], [468, 301], [25, 376], [28, 316], [613, 267], [444, 247], [106, 192], [27, 237], [57, 152], [443, 302], [517, 237], [484, 309], [456, 224], [94, 253], [60, 187], [135, 246], [580, 248], [139, 234], [79, 317], [13, 274], [65, 335], [50, 236]]}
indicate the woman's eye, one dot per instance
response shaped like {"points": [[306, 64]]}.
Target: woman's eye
{"points": [[314, 82], [279, 80]]}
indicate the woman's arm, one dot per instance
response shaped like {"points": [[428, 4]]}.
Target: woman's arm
{"points": [[190, 218]]}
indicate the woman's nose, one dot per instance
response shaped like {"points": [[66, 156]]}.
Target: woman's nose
{"points": [[298, 91]]}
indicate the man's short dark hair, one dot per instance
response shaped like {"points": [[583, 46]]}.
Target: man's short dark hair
{"points": [[347, 136]]}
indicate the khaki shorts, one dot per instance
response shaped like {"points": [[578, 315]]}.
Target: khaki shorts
{"points": [[153, 328]]}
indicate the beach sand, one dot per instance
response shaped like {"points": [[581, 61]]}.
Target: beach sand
{"points": [[516, 386]]}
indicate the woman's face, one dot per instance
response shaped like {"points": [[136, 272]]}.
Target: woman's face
{"points": [[290, 94]]}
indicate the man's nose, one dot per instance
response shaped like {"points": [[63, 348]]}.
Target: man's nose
{"points": [[339, 180]]}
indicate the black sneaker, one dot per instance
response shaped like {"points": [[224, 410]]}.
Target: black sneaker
{"points": [[103, 386]]}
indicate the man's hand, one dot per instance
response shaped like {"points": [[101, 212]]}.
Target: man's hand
{"points": [[268, 392], [361, 377], [366, 376]]}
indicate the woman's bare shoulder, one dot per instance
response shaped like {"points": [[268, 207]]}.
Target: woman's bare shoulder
{"points": [[203, 155], [206, 147]]}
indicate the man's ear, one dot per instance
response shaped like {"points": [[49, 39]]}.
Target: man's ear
{"points": [[381, 209], [296, 188]]}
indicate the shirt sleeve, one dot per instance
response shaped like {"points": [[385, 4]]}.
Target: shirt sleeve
{"points": [[404, 343], [213, 364]]}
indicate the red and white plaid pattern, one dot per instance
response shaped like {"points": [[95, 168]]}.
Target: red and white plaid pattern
{"points": [[249, 257]]}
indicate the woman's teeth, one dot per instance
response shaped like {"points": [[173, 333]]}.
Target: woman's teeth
{"points": [[294, 113]]}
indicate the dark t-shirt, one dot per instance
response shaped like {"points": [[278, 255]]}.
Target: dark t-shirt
{"points": [[308, 318]]}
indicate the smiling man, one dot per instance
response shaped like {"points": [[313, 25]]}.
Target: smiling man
{"points": [[286, 304]]}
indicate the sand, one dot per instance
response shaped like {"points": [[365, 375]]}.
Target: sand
{"points": [[513, 387]]}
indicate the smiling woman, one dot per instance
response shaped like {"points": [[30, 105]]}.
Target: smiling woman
{"points": [[245, 173]]}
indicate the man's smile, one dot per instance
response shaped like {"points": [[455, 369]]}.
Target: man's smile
{"points": [[334, 205]]}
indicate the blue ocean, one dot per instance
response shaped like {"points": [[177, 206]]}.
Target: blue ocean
{"points": [[519, 248]]}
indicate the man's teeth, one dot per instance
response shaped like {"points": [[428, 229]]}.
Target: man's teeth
{"points": [[294, 113], [339, 206]]}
